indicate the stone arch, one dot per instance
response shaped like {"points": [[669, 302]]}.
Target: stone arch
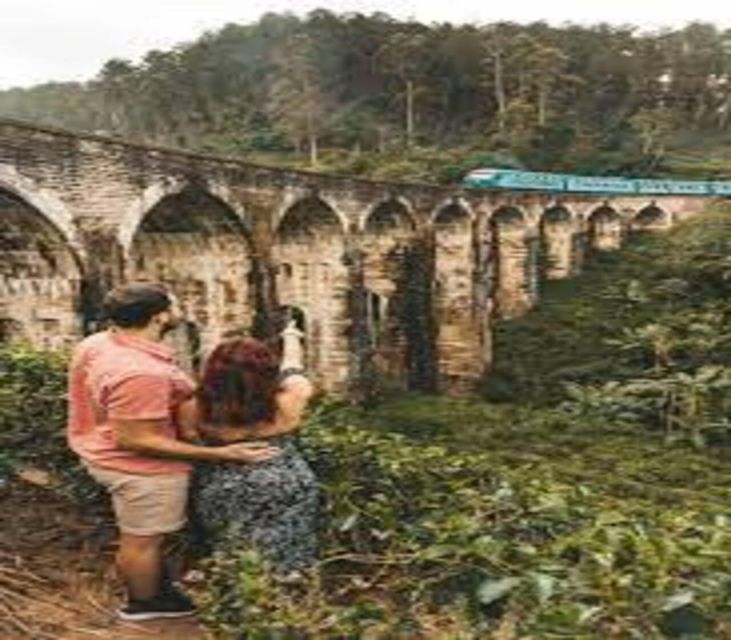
{"points": [[200, 248], [310, 238], [557, 214], [387, 241], [388, 215], [509, 216], [557, 248], [296, 205], [515, 262], [309, 216], [40, 276], [652, 218], [140, 207], [605, 228], [454, 211], [45, 203]]}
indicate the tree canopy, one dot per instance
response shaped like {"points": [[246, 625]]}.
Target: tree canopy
{"points": [[601, 99]]}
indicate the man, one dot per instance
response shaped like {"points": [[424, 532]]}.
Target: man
{"points": [[123, 393]]}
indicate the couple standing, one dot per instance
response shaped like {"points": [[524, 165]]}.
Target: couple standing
{"points": [[138, 422]]}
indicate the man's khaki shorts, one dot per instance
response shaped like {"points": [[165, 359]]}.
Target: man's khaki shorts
{"points": [[145, 505]]}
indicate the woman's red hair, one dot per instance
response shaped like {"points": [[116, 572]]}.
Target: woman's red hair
{"points": [[239, 383]]}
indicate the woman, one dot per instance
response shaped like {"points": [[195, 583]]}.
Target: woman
{"points": [[247, 394]]}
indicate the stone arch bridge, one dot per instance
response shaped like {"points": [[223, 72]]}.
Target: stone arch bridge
{"points": [[393, 282]]}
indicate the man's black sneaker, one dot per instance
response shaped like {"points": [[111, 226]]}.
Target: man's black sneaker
{"points": [[170, 591], [169, 605]]}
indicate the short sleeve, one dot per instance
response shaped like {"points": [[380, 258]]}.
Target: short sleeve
{"points": [[140, 397]]}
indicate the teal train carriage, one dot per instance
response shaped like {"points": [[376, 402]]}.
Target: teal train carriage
{"points": [[557, 182], [511, 179], [588, 184]]}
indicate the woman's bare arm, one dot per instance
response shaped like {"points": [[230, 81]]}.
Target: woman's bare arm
{"points": [[291, 400]]}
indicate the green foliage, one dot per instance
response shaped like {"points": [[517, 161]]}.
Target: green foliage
{"points": [[33, 417], [643, 333], [690, 406], [424, 541], [32, 403], [591, 99]]}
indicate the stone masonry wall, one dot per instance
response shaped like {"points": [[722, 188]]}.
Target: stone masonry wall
{"points": [[400, 279], [39, 279]]}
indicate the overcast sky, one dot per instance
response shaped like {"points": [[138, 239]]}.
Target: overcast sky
{"points": [[42, 40]]}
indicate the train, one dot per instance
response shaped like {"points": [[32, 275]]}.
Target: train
{"points": [[487, 178]]}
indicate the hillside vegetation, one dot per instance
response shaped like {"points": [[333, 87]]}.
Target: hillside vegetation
{"points": [[648, 324], [375, 96]]}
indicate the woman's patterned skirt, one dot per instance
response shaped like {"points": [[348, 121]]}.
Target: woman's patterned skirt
{"points": [[271, 506]]}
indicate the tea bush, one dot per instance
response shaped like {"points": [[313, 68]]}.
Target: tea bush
{"points": [[659, 306], [33, 418], [32, 404], [423, 542]]}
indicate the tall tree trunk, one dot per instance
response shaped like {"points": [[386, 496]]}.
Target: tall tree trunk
{"points": [[499, 89], [542, 102], [409, 113], [313, 149], [381, 139], [312, 138]]}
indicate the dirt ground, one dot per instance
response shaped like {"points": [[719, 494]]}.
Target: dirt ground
{"points": [[56, 572]]}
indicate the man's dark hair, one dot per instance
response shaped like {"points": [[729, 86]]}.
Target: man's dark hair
{"points": [[134, 305]]}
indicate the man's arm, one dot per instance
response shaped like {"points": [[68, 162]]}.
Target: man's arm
{"points": [[188, 419], [147, 437]]}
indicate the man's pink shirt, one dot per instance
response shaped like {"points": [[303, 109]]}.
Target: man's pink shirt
{"points": [[119, 377]]}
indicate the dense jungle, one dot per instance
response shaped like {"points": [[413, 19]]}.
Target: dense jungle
{"points": [[584, 493], [374, 96]]}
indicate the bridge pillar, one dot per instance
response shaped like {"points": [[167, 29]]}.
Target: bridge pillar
{"points": [[104, 272], [420, 323], [362, 382]]}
